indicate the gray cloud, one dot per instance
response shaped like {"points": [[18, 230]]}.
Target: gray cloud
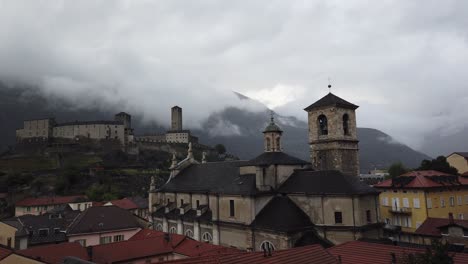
{"points": [[403, 62]]}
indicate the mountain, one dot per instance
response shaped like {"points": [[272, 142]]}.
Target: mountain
{"points": [[240, 130], [440, 142]]}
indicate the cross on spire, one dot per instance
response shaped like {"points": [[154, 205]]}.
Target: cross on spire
{"points": [[329, 85], [272, 117]]}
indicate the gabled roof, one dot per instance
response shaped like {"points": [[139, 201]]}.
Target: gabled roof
{"points": [[463, 154], [313, 254], [214, 177], [53, 200], [423, 179], [125, 203], [4, 252], [102, 219], [282, 214], [274, 158], [324, 182], [331, 100], [431, 226], [56, 253]]}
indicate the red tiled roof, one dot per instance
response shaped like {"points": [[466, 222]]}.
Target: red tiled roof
{"points": [[193, 248], [4, 252], [124, 203], [149, 233], [31, 201], [421, 180], [430, 227], [313, 254], [357, 252], [56, 253]]}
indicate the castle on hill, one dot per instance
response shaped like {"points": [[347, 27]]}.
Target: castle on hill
{"points": [[275, 200]]}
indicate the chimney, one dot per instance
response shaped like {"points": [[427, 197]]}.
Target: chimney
{"points": [[393, 257], [451, 221]]}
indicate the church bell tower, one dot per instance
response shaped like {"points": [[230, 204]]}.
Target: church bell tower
{"points": [[272, 136], [332, 135]]}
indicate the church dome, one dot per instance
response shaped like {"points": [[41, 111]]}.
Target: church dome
{"points": [[272, 127]]}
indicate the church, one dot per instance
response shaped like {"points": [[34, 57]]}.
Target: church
{"points": [[275, 201]]}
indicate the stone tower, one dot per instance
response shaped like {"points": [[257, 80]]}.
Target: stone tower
{"points": [[125, 118], [332, 135], [272, 137], [176, 118]]}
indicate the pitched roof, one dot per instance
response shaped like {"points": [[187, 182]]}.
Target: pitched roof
{"points": [[274, 158], [214, 177], [193, 248], [56, 253], [357, 252], [313, 254], [4, 252], [101, 219], [125, 203], [31, 201], [464, 154], [423, 179], [431, 226], [331, 100], [324, 182], [282, 214]]}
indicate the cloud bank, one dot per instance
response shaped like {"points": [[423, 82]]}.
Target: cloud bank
{"points": [[403, 62]]}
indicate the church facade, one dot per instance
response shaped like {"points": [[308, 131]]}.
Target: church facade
{"points": [[275, 201]]}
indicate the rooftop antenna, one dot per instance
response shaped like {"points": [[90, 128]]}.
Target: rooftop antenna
{"points": [[329, 85]]}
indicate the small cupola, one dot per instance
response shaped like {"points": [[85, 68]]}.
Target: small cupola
{"points": [[272, 136]]}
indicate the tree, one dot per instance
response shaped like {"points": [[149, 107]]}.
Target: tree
{"points": [[220, 148], [397, 169], [438, 164]]}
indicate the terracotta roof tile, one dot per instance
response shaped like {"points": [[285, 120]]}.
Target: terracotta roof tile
{"points": [[430, 227], [56, 253], [124, 203], [423, 179], [308, 255], [357, 252], [4, 252], [31, 201]]}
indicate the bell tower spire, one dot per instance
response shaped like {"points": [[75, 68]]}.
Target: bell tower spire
{"points": [[272, 136]]}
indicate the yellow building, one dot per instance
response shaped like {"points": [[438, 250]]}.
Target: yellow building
{"points": [[459, 160], [408, 200]]}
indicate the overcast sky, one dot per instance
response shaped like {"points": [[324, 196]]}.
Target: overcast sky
{"points": [[404, 62]]}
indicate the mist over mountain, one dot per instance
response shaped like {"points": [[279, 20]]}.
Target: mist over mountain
{"points": [[240, 130]]}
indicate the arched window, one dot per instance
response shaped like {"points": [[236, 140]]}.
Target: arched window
{"points": [[189, 233], [278, 147], [267, 246], [206, 237], [268, 144], [159, 227], [323, 125], [345, 124], [172, 230]]}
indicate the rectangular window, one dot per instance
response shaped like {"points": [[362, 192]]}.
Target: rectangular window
{"points": [[338, 218], [198, 203], [405, 203], [461, 216], [452, 201], [118, 238], [385, 201], [442, 202], [105, 240], [429, 203], [416, 203], [231, 208], [368, 216], [459, 200], [181, 202]]}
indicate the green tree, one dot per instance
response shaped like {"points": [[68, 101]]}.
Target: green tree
{"points": [[438, 164], [397, 169], [220, 148]]}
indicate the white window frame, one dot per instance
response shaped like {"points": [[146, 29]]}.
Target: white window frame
{"points": [[118, 238], [442, 202], [207, 237], [173, 230], [452, 201], [105, 240], [459, 200], [429, 203], [416, 203], [267, 244], [406, 203], [189, 233]]}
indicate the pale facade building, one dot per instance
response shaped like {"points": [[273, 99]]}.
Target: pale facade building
{"points": [[274, 200], [459, 160]]}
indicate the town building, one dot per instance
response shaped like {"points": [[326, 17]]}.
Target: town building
{"points": [[101, 225], [12, 235], [408, 200], [275, 200], [46, 129], [459, 160], [42, 205], [136, 205], [450, 230], [9, 256]]}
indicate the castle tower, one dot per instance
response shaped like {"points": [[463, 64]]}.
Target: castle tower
{"points": [[125, 118], [176, 118], [272, 137], [332, 135]]}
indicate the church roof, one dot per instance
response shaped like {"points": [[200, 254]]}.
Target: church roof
{"points": [[282, 214], [273, 158], [213, 177], [331, 100], [324, 182]]}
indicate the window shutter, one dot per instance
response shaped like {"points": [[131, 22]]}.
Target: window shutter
{"points": [[416, 203]]}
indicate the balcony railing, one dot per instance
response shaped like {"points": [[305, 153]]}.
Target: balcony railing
{"points": [[401, 210]]}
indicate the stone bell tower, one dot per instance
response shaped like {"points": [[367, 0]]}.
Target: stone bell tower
{"points": [[332, 135], [272, 137]]}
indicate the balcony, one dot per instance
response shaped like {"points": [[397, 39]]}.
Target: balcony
{"points": [[402, 210]]}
